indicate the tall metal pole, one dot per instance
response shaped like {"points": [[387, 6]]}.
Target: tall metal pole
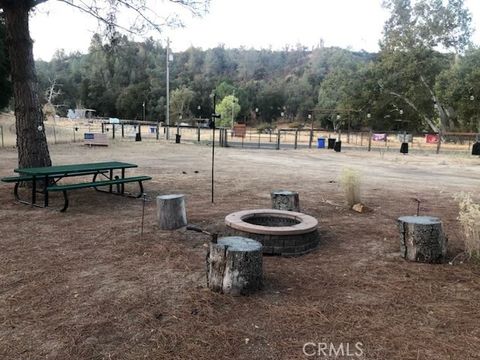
{"points": [[214, 117], [233, 109], [311, 131], [167, 133]]}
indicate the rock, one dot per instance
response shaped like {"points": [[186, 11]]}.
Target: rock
{"points": [[360, 208]]}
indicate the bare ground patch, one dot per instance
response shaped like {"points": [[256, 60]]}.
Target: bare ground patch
{"points": [[86, 285]]}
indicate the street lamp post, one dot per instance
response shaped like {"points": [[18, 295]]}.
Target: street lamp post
{"points": [[404, 146], [180, 117], [233, 112], [213, 120], [310, 117], [369, 116], [143, 117], [169, 58], [198, 122]]}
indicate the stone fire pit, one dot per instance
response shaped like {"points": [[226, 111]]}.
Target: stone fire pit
{"points": [[285, 233]]}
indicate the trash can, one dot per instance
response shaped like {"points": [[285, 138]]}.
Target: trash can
{"points": [[476, 148], [331, 143], [138, 137], [320, 143], [404, 148], [338, 146], [177, 138]]}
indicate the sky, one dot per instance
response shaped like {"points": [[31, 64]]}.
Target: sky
{"points": [[354, 24]]}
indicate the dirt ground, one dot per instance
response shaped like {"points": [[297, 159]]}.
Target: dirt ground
{"points": [[86, 285]]}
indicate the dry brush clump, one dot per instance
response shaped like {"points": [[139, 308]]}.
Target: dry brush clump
{"points": [[469, 217], [350, 182]]}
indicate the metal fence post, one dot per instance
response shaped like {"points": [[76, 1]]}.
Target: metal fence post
{"points": [[278, 140], [103, 128], [113, 131], [439, 143], [123, 132], [296, 139], [198, 133], [370, 140]]}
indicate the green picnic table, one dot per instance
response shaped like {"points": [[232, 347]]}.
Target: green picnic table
{"points": [[105, 174]]}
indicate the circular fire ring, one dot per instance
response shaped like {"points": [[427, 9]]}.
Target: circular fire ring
{"points": [[281, 232]]}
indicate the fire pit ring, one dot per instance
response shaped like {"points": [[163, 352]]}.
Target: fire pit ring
{"points": [[285, 233]]}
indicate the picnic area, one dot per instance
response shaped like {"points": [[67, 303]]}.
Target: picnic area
{"points": [[87, 284]]}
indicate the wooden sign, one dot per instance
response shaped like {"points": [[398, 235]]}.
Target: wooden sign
{"points": [[239, 130], [95, 139]]}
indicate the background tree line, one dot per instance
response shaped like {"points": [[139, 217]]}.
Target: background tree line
{"points": [[425, 77]]}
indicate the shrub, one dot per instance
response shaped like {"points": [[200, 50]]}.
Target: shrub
{"points": [[264, 128], [296, 125], [469, 217], [350, 182]]}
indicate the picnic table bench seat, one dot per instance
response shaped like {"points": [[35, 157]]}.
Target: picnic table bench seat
{"points": [[17, 180], [21, 178], [65, 187], [11, 179], [94, 184]]}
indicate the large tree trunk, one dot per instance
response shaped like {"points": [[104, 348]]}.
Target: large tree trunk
{"points": [[31, 140]]}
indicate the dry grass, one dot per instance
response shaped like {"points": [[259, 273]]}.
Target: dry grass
{"points": [[86, 285], [350, 180], [469, 217]]}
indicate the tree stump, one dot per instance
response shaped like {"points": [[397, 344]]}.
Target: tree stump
{"points": [[285, 200], [422, 239], [171, 212], [234, 266]]}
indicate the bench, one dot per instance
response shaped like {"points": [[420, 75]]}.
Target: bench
{"points": [[11, 179], [20, 178], [25, 178], [95, 184], [17, 180]]}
